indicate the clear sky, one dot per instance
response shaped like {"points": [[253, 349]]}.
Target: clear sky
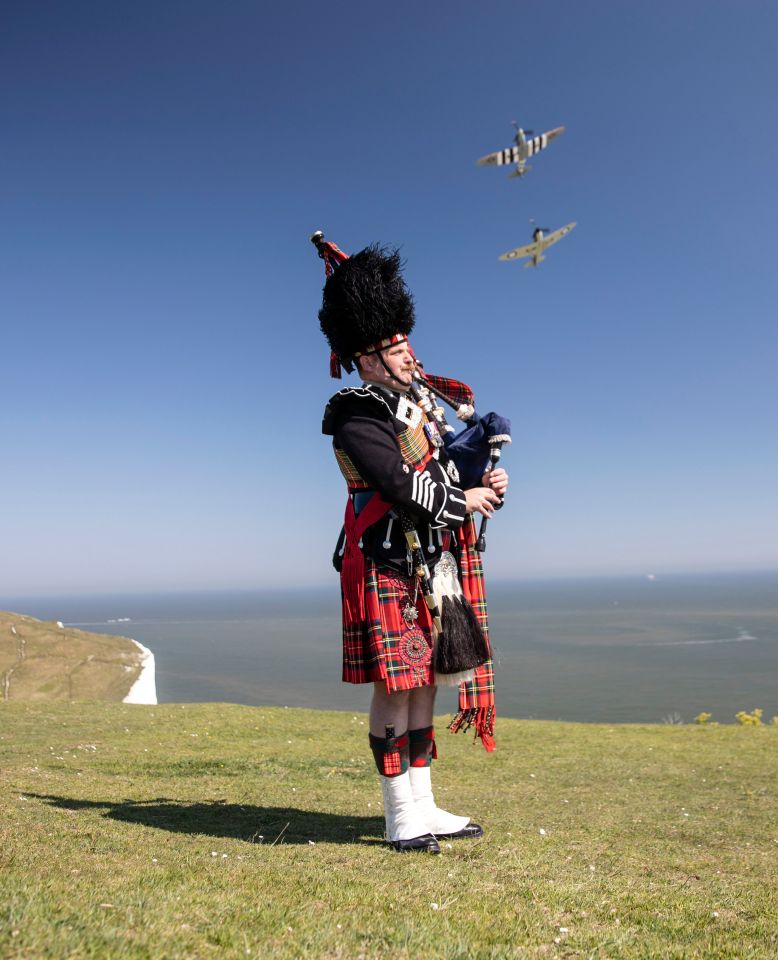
{"points": [[163, 375]]}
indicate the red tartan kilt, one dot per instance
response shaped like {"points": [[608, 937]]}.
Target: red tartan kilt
{"points": [[384, 646]]}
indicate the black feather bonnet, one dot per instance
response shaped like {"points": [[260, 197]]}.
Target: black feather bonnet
{"points": [[365, 300]]}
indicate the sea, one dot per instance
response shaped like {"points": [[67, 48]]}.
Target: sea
{"points": [[642, 649]]}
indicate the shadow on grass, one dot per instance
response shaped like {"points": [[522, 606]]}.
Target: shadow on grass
{"points": [[266, 825]]}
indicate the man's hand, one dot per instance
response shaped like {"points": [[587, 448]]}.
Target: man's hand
{"points": [[497, 480], [481, 500]]}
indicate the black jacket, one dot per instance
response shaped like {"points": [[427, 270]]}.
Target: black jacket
{"points": [[383, 437]]}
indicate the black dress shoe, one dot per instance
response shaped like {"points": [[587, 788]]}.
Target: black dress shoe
{"points": [[468, 832], [425, 843]]}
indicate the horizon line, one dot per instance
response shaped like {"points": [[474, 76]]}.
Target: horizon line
{"points": [[657, 575]]}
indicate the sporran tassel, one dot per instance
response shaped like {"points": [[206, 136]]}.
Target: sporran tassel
{"points": [[461, 647]]}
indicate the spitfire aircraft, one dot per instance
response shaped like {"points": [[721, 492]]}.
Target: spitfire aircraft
{"points": [[523, 149], [541, 240]]}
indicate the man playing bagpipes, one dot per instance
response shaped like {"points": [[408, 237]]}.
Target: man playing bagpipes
{"points": [[414, 610]]}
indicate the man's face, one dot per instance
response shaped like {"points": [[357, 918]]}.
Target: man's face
{"points": [[398, 358]]}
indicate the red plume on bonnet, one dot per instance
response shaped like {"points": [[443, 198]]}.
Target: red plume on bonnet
{"points": [[332, 255], [330, 252]]}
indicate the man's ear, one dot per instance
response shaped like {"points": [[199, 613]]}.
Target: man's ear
{"points": [[365, 364]]}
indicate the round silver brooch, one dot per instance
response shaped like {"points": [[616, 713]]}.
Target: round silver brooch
{"points": [[414, 649]]}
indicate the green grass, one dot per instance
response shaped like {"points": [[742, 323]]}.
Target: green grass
{"points": [[224, 831], [41, 661]]}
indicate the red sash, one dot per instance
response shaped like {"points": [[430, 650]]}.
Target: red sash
{"points": [[352, 573]]}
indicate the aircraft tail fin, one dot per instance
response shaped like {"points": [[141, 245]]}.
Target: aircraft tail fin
{"points": [[520, 171]]}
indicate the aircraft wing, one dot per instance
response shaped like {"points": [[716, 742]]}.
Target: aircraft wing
{"points": [[519, 252], [552, 134], [536, 144], [515, 154], [491, 159], [508, 155], [552, 238]]}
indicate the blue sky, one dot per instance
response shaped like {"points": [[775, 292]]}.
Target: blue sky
{"points": [[163, 375]]}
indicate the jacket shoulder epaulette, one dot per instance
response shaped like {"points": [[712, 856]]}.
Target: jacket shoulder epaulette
{"points": [[365, 401]]}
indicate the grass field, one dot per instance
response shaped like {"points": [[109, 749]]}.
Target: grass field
{"points": [[41, 661], [209, 830]]}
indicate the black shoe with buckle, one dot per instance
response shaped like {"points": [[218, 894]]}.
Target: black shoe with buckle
{"points": [[426, 843], [468, 832]]}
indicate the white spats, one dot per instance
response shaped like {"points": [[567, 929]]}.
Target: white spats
{"points": [[436, 821], [403, 819]]}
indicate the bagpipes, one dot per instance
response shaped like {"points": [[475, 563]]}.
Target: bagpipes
{"points": [[474, 450], [461, 646]]}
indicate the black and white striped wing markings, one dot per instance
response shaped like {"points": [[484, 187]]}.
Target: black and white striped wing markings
{"points": [[536, 144], [517, 154]]}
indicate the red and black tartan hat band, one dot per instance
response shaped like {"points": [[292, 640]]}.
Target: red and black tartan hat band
{"points": [[366, 305], [382, 345]]}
